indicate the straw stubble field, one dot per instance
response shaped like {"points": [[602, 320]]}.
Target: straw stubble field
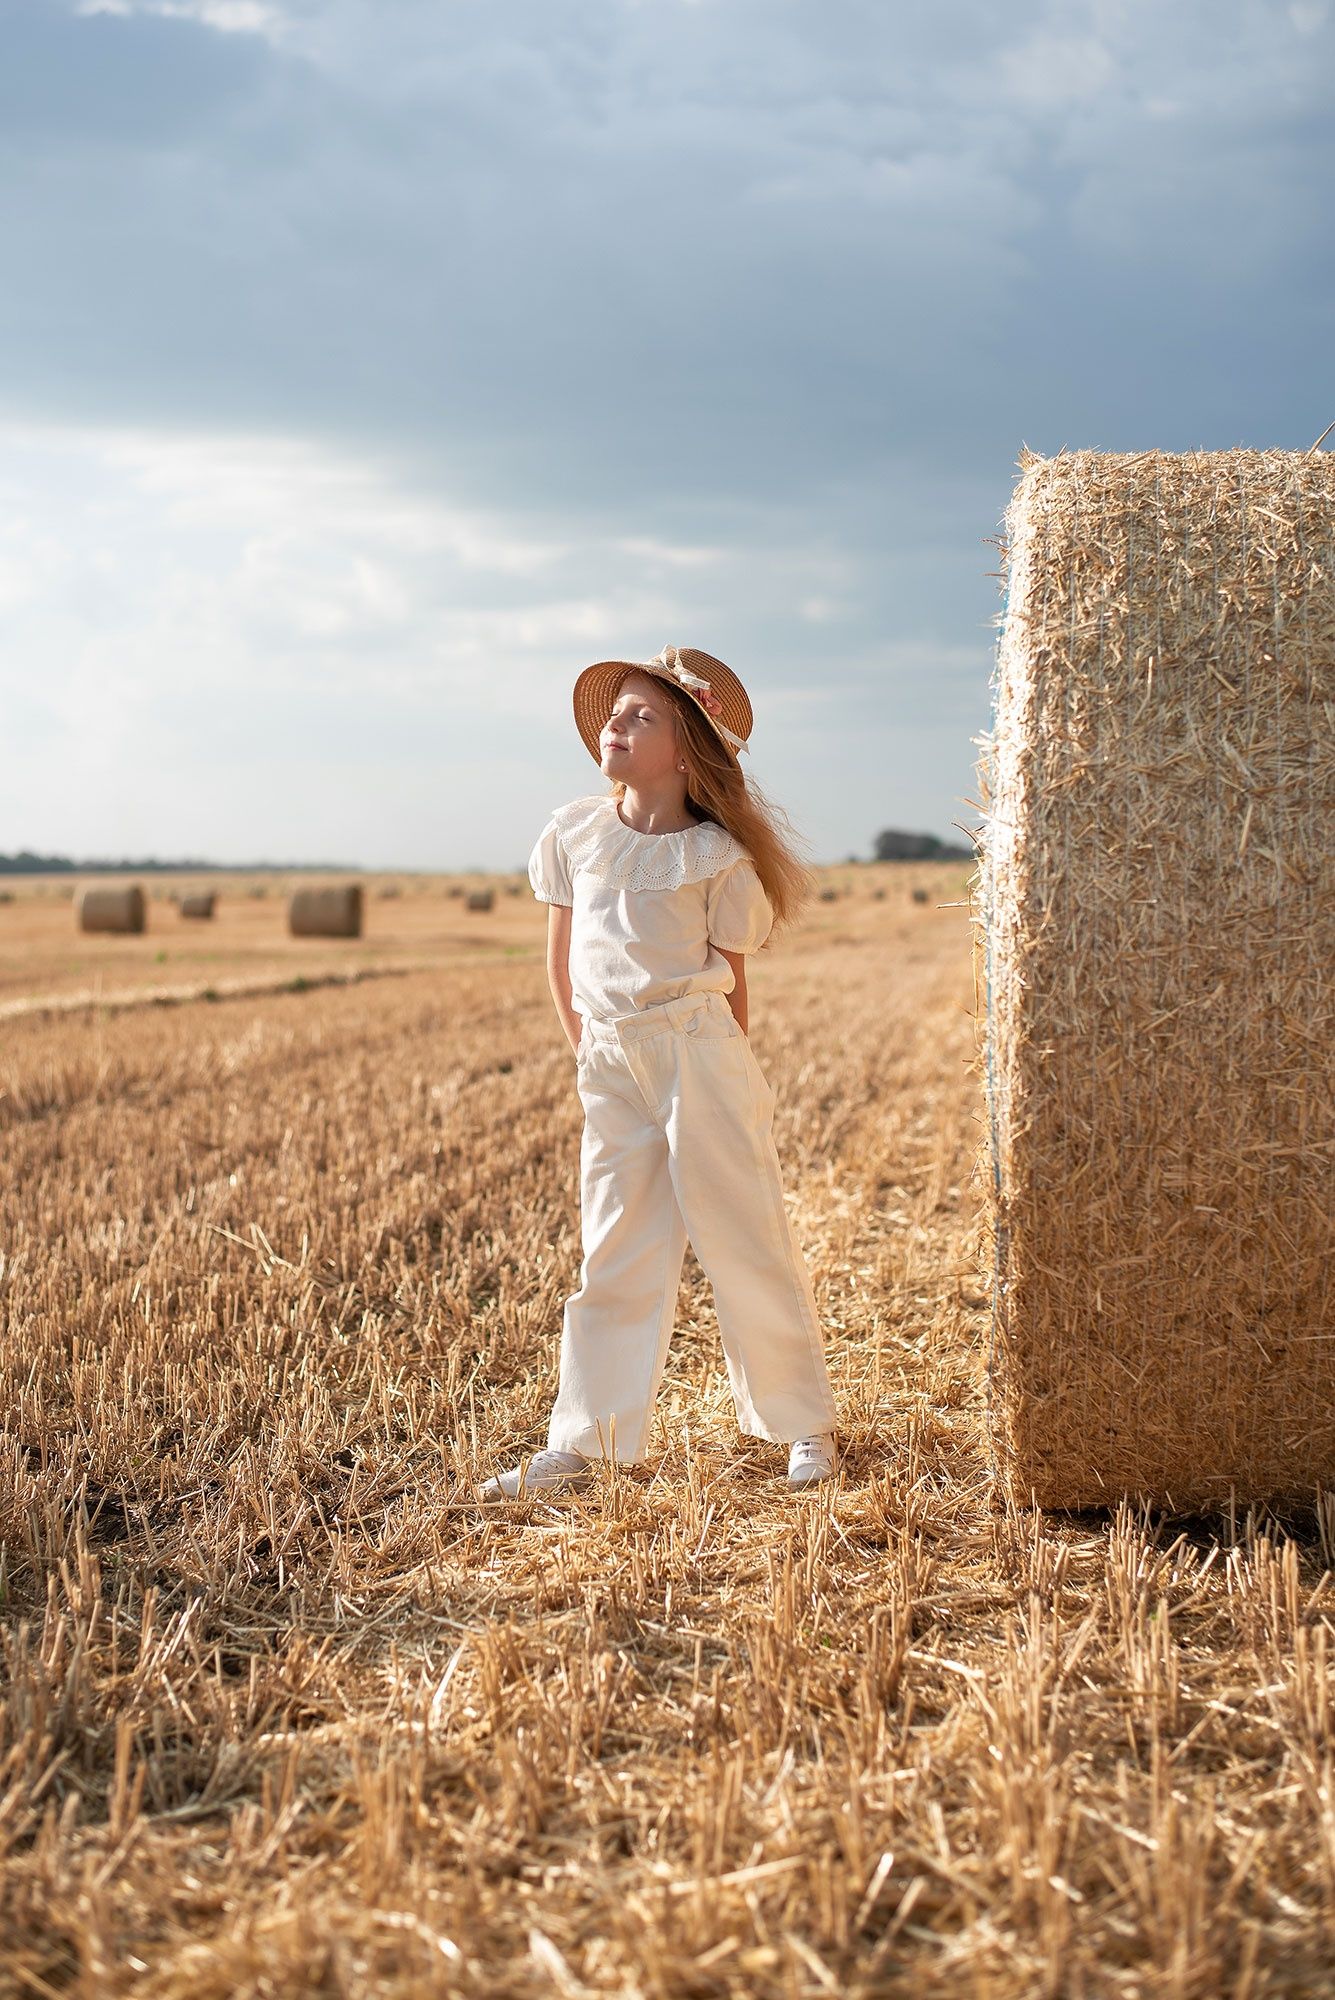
{"points": [[285, 1711]]}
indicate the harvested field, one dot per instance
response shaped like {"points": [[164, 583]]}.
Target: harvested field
{"points": [[43, 960], [283, 1710]]}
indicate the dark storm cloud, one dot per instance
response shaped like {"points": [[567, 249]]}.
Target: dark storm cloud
{"points": [[133, 82], [640, 254]]}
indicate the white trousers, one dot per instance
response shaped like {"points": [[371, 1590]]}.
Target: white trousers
{"points": [[678, 1143]]}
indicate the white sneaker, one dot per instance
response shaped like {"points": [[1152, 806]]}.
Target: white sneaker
{"points": [[810, 1459], [539, 1474]]}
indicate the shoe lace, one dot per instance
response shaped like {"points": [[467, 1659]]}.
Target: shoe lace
{"points": [[812, 1447]]}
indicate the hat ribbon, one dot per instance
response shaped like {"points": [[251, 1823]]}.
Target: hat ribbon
{"points": [[670, 659]]}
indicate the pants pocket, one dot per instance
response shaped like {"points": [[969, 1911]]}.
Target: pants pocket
{"points": [[713, 1028], [762, 1093]]}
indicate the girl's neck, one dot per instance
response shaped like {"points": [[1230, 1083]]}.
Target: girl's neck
{"points": [[645, 813]]}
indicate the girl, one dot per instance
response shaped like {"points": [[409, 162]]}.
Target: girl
{"points": [[658, 889]]}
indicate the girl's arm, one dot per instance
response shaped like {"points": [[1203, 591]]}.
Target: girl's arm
{"points": [[558, 969], [737, 999]]}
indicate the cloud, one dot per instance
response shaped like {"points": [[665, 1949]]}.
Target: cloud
{"points": [[1056, 69], [229, 17], [403, 345], [115, 85], [215, 628], [620, 253]]}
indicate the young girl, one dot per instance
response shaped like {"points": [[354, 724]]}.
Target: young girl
{"points": [[658, 889]]}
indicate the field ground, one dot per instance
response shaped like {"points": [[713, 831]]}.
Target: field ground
{"points": [[45, 961], [284, 1711]]}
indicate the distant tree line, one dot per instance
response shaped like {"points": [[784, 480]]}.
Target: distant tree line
{"points": [[25, 862], [894, 846]]}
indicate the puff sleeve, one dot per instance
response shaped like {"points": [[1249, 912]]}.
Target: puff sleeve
{"points": [[738, 916], [547, 870]]}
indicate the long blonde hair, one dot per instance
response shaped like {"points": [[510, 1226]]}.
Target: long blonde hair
{"points": [[717, 789]]}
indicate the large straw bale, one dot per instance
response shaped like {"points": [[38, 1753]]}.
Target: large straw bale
{"points": [[198, 903], [331, 910], [1158, 926], [104, 906]]}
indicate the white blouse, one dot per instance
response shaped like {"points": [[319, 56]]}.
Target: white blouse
{"points": [[648, 909]]}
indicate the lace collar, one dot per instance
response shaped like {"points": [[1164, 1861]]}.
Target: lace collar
{"points": [[595, 837]]}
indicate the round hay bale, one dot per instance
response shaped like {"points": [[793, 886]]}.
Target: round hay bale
{"points": [[388, 891], [105, 907], [1158, 932], [828, 896], [918, 895], [198, 903], [331, 910], [480, 899]]}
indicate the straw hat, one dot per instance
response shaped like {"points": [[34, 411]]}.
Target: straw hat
{"points": [[722, 698]]}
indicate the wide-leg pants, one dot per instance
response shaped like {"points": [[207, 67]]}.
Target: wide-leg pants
{"points": [[678, 1144]]}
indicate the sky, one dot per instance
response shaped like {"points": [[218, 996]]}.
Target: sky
{"points": [[369, 367]]}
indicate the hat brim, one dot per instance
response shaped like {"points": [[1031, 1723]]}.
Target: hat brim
{"points": [[596, 688]]}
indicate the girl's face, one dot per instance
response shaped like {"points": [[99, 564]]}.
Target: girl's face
{"points": [[639, 738]]}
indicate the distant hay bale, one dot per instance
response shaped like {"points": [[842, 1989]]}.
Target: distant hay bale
{"points": [[455, 889], [198, 903], [104, 907], [388, 890], [1159, 935], [332, 910], [878, 895], [6, 895], [480, 899], [918, 895], [828, 896]]}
